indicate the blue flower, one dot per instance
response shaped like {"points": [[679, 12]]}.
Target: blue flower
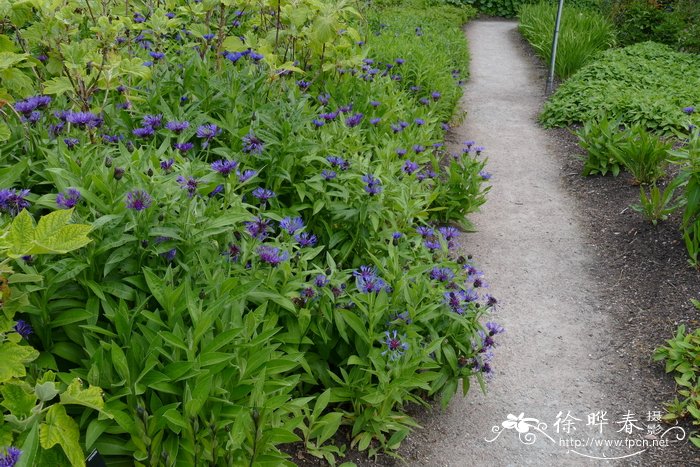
{"points": [[246, 175], [263, 194], [258, 228], [373, 184], [23, 329], [292, 224], [395, 348], [183, 147], [338, 162], [11, 458], [306, 239], [354, 120], [328, 174], [224, 166], [177, 127], [409, 167], [153, 121], [252, 144], [143, 132], [12, 201], [68, 199], [138, 200], [272, 255], [190, 184]]}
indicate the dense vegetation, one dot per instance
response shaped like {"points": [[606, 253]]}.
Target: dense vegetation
{"points": [[271, 212]]}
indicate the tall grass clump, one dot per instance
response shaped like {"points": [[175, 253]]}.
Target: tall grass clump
{"points": [[582, 35]]}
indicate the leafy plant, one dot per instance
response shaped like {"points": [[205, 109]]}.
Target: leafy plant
{"points": [[599, 137], [642, 153], [645, 84], [583, 34], [659, 203], [681, 355]]}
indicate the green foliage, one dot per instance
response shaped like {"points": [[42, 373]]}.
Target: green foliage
{"points": [[599, 137], [659, 203], [681, 355], [642, 153], [688, 158], [646, 84], [583, 34], [671, 22], [211, 327]]}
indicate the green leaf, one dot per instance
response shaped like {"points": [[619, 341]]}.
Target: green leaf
{"points": [[13, 360], [120, 362], [61, 429], [90, 397], [30, 447], [18, 399], [5, 132], [21, 234], [58, 85], [46, 391]]}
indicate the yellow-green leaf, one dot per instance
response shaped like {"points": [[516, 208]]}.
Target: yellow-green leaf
{"points": [[59, 428], [21, 234], [13, 360], [4, 132], [90, 397], [58, 86]]}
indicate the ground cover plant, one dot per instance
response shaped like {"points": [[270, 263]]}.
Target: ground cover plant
{"points": [[271, 213], [647, 84], [583, 33]]}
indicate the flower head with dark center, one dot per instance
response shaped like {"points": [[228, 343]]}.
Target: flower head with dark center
{"points": [[156, 55], [338, 162], [183, 147], [68, 199], [167, 165], [138, 200], [323, 99], [153, 121], [11, 457], [375, 120], [292, 224], [233, 252], [329, 116], [272, 255], [409, 167], [436, 95], [169, 255], [448, 232], [328, 174], [258, 228], [485, 175], [177, 127], [354, 120], [689, 110], [83, 119], [442, 274], [424, 231], [306, 239], [246, 175], [208, 132], [71, 142], [252, 144], [395, 348], [218, 189], [224, 166], [318, 123], [188, 183], [143, 132], [263, 194], [417, 148], [12, 201], [373, 184], [321, 281], [419, 122]]}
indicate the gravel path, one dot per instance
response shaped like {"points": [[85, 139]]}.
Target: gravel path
{"points": [[532, 249]]}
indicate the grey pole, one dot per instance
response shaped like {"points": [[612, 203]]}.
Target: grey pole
{"points": [[555, 40]]}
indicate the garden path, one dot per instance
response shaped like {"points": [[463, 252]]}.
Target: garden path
{"points": [[531, 247]]}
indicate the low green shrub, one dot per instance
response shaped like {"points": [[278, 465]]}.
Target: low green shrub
{"points": [[659, 203], [642, 153], [598, 138], [647, 84], [681, 355], [583, 34]]}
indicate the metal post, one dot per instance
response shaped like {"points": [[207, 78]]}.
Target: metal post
{"points": [[555, 40]]}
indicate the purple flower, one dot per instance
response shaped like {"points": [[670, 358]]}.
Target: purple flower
{"points": [[396, 235], [375, 103], [272, 255], [12, 201], [398, 317], [323, 99], [395, 348], [11, 458], [303, 85], [400, 61], [494, 328], [424, 101], [445, 126], [479, 150], [246, 175], [34, 117], [419, 121], [409, 167], [328, 174], [415, 88], [448, 233], [263, 194], [113, 139], [218, 189], [68, 199], [292, 224], [401, 152], [71, 142], [343, 109], [375, 120], [138, 200], [167, 165], [169, 255], [306, 239], [373, 184], [177, 127], [354, 120], [156, 55], [442, 274], [23, 329], [153, 121], [417, 148], [233, 57], [436, 95], [329, 116], [318, 123], [424, 231], [139, 18], [144, 132], [321, 281], [224, 166], [208, 132], [255, 56], [57, 129], [189, 184], [252, 144], [403, 124], [83, 119], [338, 162], [183, 147], [689, 110], [258, 228], [457, 300], [485, 175], [233, 252], [208, 37]]}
